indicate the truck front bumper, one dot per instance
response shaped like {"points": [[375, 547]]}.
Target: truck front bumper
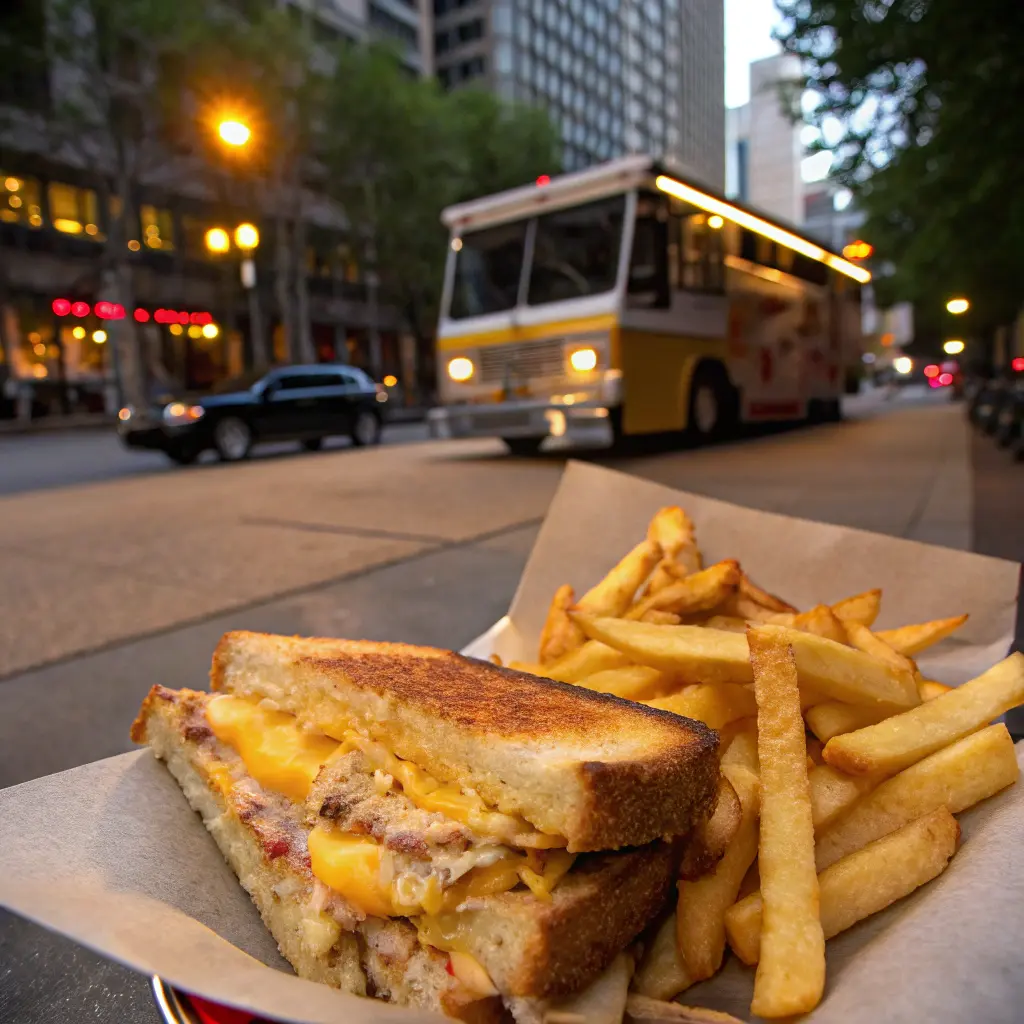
{"points": [[582, 421]]}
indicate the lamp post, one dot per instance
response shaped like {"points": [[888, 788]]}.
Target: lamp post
{"points": [[246, 240], [957, 306]]}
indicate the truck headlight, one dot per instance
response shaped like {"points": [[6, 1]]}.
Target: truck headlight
{"points": [[583, 360], [460, 368]]}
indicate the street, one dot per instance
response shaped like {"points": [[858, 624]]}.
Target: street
{"points": [[128, 577]]}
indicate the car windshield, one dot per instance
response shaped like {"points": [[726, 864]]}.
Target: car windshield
{"points": [[576, 252], [243, 382], [487, 270]]}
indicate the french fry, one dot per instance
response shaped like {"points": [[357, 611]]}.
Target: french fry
{"points": [[956, 777], [631, 682], [749, 589], [496, 660], [820, 621], [704, 655], [833, 718], [672, 529], [814, 748], [742, 750], [662, 973], [603, 1001], [739, 606], [929, 689], [530, 667], [726, 622], [709, 841], [862, 883], [660, 618], [643, 1010], [832, 793], [560, 634], [751, 882], [699, 592], [790, 975], [615, 593], [898, 742], [700, 912], [585, 661], [861, 608], [864, 640], [714, 704], [911, 640]]}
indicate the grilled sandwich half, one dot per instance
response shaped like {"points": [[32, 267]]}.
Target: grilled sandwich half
{"points": [[432, 829]]}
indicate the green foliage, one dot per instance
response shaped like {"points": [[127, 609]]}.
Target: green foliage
{"points": [[919, 101]]}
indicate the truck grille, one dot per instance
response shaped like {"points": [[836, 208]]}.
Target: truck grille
{"points": [[527, 361]]}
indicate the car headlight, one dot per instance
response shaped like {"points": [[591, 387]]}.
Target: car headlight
{"points": [[583, 360], [177, 414], [125, 414], [460, 368]]}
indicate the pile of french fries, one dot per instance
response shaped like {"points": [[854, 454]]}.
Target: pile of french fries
{"points": [[841, 766]]}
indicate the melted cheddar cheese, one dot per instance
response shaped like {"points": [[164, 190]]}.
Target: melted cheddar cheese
{"points": [[281, 756]]}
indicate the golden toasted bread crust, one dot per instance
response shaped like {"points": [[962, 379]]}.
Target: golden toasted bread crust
{"points": [[628, 773]]}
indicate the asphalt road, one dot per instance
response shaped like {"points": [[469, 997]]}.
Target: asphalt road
{"points": [[118, 572]]}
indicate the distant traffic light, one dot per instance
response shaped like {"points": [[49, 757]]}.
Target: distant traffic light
{"points": [[858, 250]]}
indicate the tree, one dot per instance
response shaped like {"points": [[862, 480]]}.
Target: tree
{"points": [[397, 150], [919, 102]]}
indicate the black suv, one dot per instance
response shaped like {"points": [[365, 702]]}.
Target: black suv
{"points": [[294, 403]]}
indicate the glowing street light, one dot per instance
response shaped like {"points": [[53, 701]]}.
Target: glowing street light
{"points": [[247, 237], [953, 347], [957, 306], [217, 240], [234, 133]]}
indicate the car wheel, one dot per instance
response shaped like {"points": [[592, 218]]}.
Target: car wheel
{"points": [[233, 439], [523, 445], [313, 444], [365, 429], [713, 404]]}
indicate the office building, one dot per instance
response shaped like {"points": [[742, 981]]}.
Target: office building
{"points": [[763, 148], [616, 77]]}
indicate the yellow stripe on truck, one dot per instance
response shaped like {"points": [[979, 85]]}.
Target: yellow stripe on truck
{"points": [[531, 332]]}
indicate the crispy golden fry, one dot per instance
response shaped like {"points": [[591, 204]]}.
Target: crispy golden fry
{"points": [[929, 689], [632, 682], [911, 640], [585, 661], [740, 606], [496, 660], [863, 883], [900, 741], [699, 592], [714, 704], [560, 634], [864, 640], [751, 882], [833, 717], [832, 793], [660, 618], [748, 588], [672, 529], [706, 847], [956, 777], [742, 750], [615, 593], [643, 1010], [726, 622], [700, 913], [791, 972], [861, 608], [662, 974], [814, 749], [531, 667], [820, 621]]}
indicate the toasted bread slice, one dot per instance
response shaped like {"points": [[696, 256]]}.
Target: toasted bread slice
{"points": [[530, 947], [601, 772]]}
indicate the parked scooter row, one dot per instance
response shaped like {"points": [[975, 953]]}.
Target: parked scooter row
{"points": [[996, 408]]}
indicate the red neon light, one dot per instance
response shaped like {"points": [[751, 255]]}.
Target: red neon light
{"points": [[79, 308], [931, 371], [61, 307], [544, 179], [141, 315], [119, 313], [104, 309], [183, 317], [1018, 364], [165, 316]]}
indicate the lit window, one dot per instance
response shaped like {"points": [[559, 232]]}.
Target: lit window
{"points": [[157, 227], [20, 201], [74, 211]]}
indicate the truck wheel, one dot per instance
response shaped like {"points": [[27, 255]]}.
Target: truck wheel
{"points": [[714, 404], [523, 446]]}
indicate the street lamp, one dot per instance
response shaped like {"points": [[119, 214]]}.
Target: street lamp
{"points": [[957, 306], [234, 133], [953, 347], [247, 240]]}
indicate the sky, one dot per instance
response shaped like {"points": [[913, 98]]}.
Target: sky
{"points": [[748, 37]]}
